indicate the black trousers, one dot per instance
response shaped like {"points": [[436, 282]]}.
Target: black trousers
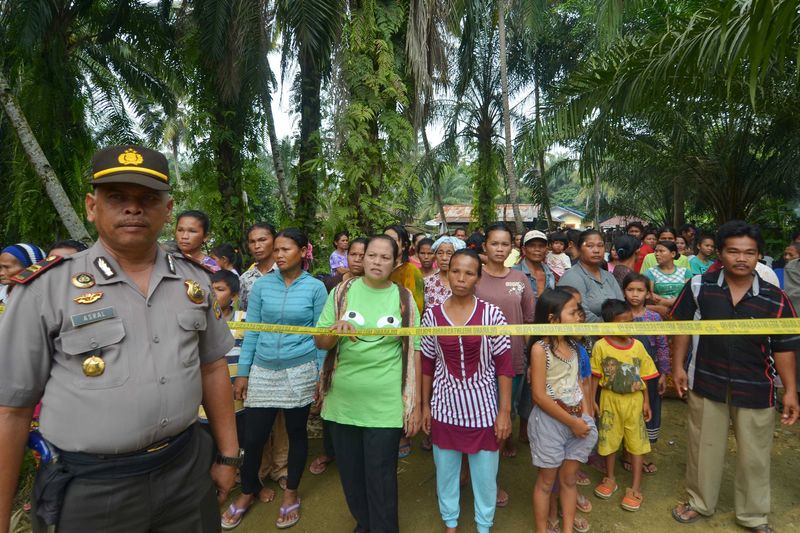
{"points": [[367, 460], [327, 439], [258, 423], [177, 497]]}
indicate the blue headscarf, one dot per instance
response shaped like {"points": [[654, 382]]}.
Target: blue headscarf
{"points": [[26, 254]]}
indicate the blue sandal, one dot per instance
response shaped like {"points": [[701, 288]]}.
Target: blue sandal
{"points": [[236, 514], [284, 512]]}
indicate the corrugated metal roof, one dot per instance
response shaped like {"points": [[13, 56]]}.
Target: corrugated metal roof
{"points": [[462, 213], [620, 220]]}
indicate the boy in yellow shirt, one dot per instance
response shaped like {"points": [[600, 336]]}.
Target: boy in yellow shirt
{"points": [[620, 366]]}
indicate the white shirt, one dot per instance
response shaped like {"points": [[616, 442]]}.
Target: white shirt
{"points": [[767, 274]]}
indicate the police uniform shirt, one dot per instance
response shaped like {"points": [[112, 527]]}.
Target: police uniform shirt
{"points": [[152, 348]]}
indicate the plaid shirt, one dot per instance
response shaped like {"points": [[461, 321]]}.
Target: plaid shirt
{"points": [[739, 369]]}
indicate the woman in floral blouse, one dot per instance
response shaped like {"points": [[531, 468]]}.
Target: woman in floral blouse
{"points": [[437, 288]]}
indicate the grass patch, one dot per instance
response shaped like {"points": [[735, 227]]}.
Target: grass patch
{"points": [[20, 521]]}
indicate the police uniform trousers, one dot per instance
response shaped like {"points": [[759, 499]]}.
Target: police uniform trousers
{"points": [[176, 498]]}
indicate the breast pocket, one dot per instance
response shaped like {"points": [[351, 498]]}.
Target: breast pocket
{"points": [[192, 324], [103, 340]]}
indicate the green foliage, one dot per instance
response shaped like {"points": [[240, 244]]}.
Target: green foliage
{"points": [[671, 103], [373, 172], [224, 49], [475, 117], [84, 73]]}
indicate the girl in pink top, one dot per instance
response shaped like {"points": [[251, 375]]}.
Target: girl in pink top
{"points": [[461, 410]]}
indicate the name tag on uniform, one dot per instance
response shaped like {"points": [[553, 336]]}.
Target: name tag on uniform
{"points": [[92, 316]]}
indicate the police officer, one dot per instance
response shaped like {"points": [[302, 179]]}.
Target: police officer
{"points": [[121, 343]]}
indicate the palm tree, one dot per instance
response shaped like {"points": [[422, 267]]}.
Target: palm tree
{"points": [[41, 165], [511, 173], [78, 70], [687, 95], [474, 117], [225, 45], [310, 29], [547, 41]]}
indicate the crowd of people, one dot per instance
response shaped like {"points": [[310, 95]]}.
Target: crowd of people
{"points": [[578, 400]]}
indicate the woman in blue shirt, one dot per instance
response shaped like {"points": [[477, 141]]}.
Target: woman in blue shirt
{"points": [[278, 371]]}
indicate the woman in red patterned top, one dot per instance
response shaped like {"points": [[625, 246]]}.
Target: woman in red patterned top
{"points": [[461, 410]]}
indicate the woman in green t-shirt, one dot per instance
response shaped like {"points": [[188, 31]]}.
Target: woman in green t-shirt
{"points": [[373, 396]]}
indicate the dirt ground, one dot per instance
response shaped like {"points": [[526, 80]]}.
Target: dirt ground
{"points": [[324, 507]]}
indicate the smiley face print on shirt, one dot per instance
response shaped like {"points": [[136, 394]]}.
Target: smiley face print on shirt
{"points": [[360, 321]]}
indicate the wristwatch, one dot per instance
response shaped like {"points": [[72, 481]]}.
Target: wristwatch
{"points": [[230, 461]]}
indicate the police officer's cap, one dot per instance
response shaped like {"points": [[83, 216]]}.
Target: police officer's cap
{"points": [[131, 164]]}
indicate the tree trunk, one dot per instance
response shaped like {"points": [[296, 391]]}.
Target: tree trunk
{"points": [[597, 201], [310, 120], [435, 184], [485, 185], [678, 202], [174, 146], [41, 165], [277, 162], [545, 193], [513, 185]]}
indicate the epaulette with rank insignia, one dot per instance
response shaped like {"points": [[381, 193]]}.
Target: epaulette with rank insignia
{"points": [[37, 269], [195, 262]]}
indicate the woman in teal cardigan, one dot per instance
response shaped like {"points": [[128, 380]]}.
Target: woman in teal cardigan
{"points": [[278, 371]]}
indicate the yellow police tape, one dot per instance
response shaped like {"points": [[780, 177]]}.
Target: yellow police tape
{"points": [[754, 326]]}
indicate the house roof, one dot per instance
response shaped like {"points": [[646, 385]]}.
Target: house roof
{"points": [[620, 221], [462, 213]]}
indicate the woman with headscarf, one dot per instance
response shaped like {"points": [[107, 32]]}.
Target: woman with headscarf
{"points": [[13, 260], [437, 287]]}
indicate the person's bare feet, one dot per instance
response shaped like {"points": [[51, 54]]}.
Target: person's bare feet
{"points": [[450, 530], [266, 495], [509, 448]]}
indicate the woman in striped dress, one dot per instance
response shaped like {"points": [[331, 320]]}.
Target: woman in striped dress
{"points": [[461, 410]]}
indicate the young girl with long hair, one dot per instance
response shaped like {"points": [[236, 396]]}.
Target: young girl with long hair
{"points": [[561, 429]]}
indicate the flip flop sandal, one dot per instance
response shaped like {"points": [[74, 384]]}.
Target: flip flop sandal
{"points": [[606, 489], [631, 502], [404, 450], [649, 468], [284, 512], [553, 527], [426, 443], [583, 504], [580, 524], [318, 466], [763, 528], [505, 452], [236, 514], [626, 465], [503, 502], [582, 479], [687, 508]]}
